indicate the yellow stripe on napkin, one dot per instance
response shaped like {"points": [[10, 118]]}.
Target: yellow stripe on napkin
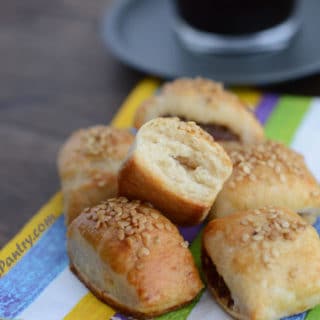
{"points": [[89, 307], [249, 96], [145, 88]]}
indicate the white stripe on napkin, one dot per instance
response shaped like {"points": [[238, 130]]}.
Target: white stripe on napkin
{"points": [[59, 297], [307, 138], [207, 309]]}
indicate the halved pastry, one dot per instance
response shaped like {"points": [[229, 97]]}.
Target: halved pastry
{"points": [[88, 165], [177, 167], [219, 112], [133, 258], [268, 173], [262, 264]]}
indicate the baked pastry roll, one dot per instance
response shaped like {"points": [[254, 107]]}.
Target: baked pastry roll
{"points": [[262, 264], [216, 110], [133, 258], [268, 173], [88, 165], [177, 167]]}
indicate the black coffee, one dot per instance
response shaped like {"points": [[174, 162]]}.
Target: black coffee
{"points": [[234, 17]]}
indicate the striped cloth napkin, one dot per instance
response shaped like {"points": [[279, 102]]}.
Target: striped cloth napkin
{"points": [[35, 281]]}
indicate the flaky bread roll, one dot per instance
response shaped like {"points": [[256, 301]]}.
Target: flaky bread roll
{"points": [[267, 173], [133, 258], [218, 111], [262, 264], [88, 165], [177, 167]]}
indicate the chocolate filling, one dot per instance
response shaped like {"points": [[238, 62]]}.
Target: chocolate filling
{"points": [[216, 282], [218, 132]]}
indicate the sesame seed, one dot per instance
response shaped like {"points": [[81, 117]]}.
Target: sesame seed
{"points": [[185, 244], [246, 169], [285, 224], [277, 226], [160, 225], [277, 169], [143, 252], [244, 222], [101, 183], [257, 237], [146, 239], [154, 215], [121, 235], [130, 241], [149, 226], [250, 219], [245, 237]]}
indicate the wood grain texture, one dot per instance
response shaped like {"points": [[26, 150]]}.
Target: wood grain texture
{"points": [[56, 76]]}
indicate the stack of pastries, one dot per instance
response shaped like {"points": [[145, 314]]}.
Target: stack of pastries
{"points": [[199, 155]]}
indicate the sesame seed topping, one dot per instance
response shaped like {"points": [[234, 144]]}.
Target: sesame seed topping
{"points": [[185, 244], [101, 183], [270, 155], [244, 222], [160, 225], [285, 224], [245, 237], [257, 237], [121, 235], [154, 215], [143, 252], [168, 226]]}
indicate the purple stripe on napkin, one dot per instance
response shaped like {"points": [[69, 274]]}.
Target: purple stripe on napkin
{"points": [[265, 107]]}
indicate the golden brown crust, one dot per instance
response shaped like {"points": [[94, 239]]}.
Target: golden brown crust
{"points": [[119, 248], [203, 101], [267, 173], [88, 164], [167, 167], [269, 259], [136, 183], [103, 296]]}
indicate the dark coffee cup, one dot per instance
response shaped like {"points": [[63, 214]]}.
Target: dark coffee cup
{"points": [[272, 22]]}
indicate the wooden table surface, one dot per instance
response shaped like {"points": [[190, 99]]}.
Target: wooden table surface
{"points": [[56, 76]]}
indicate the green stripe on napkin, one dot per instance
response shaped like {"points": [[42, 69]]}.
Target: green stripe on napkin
{"points": [[282, 125], [314, 314]]}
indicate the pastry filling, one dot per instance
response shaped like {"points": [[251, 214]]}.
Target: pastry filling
{"points": [[216, 282], [218, 132]]}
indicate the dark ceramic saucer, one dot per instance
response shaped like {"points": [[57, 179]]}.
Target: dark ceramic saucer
{"points": [[140, 33]]}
